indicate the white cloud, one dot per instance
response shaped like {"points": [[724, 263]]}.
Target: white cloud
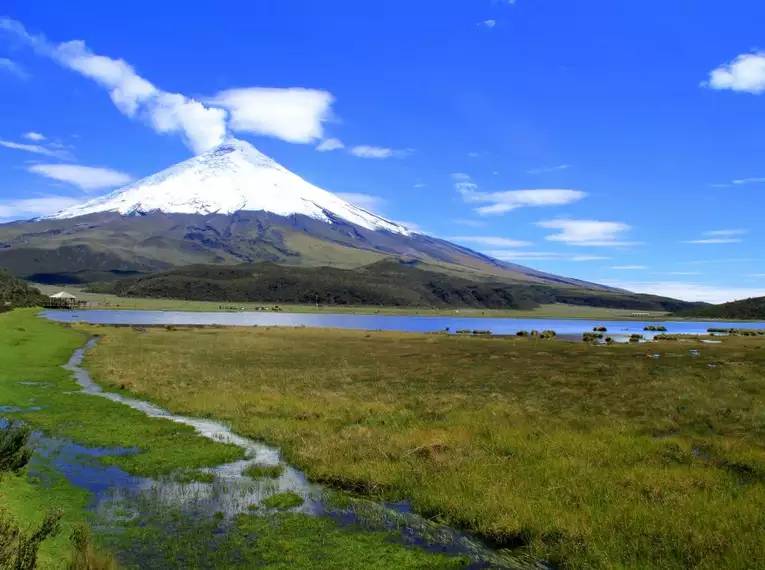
{"points": [[725, 232], [33, 136], [729, 260], [756, 275], [689, 291], [549, 169], [753, 180], [12, 67], [420, 185], [491, 241], [714, 240], [488, 23], [474, 154], [365, 201], [587, 232], [679, 273], [330, 144], [502, 202], [366, 151], [200, 126], [85, 177], [745, 73], [470, 223], [510, 255], [25, 208], [294, 115], [37, 149], [629, 267]]}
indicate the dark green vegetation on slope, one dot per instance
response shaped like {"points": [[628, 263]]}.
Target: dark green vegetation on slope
{"points": [[31, 351], [15, 293], [746, 309], [108, 246], [384, 283], [587, 456]]}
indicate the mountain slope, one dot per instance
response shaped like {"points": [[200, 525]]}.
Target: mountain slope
{"points": [[16, 293], [384, 283], [746, 309], [230, 178], [230, 205]]}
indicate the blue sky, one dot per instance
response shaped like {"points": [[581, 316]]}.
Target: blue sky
{"points": [[619, 142]]}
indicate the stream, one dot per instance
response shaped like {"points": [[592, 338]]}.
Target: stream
{"points": [[123, 499]]}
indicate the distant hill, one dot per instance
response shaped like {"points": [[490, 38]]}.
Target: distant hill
{"points": [[16, 293], [389, 282], [746, 309]]}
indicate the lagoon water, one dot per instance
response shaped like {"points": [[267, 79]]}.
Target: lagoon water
{"points": [[564, 327]]}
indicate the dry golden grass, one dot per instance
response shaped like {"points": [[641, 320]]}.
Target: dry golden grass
{"points": [[587, 456]]}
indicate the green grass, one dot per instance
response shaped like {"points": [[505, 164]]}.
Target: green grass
{"points": [[264, 471], [586, 456], [283, 501]]}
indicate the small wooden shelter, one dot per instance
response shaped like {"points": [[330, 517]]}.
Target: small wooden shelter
{"points": [[64, 300]]}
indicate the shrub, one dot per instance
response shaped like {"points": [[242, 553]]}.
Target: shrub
{"points": [[14, 447]]}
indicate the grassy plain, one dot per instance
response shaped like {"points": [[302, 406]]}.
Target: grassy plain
{"points": [[556, 311], [586, 456], [31, 353]]}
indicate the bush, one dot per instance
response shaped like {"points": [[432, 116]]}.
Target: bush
{"points": [[19, 548], [599, 329], [84, 555], [14, 448], [655, 328]]}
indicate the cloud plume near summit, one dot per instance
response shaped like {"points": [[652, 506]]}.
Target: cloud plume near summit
{"points": [[295, 115]]}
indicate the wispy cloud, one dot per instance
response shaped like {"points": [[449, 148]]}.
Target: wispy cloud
{"points": [[745, 73], [488, 23], [85, 177], [714, 240], [474, 154], [330, 144], [503, 202], [420, 185], [588, 232], [33, 136], [728, 260], [510, 255], [37, 149], [549, 169], [718, 236], [13, 68], [740, 181], [490, 241], [294, 115], [629, 267], [725, 232], [689, 291], [26, 208], [678, 273], [365, 201], [366, 151], [470, 223], [756, 275]]}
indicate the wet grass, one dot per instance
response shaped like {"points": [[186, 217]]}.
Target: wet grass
{"points": [[283, 501], [586, 456], [263, 471]]}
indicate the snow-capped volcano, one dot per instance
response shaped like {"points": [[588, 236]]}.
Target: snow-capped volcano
{"points": [[232, 177]]}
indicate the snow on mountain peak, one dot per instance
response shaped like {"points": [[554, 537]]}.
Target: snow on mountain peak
{"points": [[231, 177]]}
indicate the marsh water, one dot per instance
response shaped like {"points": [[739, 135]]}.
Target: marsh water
{"points": [[121, 501], [564, 327]]}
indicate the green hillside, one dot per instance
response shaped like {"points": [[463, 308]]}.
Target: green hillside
{"points": [[16, 293], [385, 283], [746, 309]]}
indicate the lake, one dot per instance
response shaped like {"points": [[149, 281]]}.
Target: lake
{"points": [[564, 327]]}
